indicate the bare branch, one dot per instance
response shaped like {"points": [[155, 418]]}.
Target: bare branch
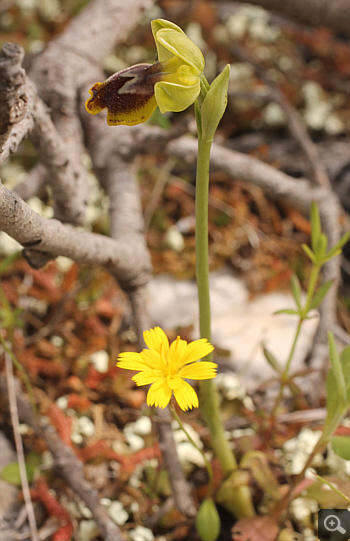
{"points": [[128, 262], [334, 14], [13, 100], [19, 447]]}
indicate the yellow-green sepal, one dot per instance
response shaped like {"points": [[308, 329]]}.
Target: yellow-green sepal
{"points": [[172, 41], [208, 521], [179, 45], [175, 97], [214, 104]]}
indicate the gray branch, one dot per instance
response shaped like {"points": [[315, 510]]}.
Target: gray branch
{"points": [[333, 14]]}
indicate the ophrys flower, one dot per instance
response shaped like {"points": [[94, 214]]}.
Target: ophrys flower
{"points": [[173, 83], [166, 368]]}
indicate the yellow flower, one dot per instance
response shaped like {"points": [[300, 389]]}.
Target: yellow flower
{"points": [[173, 83], [166, 367]]}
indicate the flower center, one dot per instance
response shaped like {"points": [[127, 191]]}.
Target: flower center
{"points": [[174, 382]]}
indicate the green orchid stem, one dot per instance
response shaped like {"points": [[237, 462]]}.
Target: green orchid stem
{"points": [[191, 440], [209, 396]]}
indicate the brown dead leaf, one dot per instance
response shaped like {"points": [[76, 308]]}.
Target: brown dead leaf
{"points": [[255, 529]]}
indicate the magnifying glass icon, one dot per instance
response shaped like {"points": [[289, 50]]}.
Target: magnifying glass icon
{"points": [[332, 524]]}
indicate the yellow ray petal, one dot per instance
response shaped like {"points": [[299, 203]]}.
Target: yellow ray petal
{"points": [[196, 350], [159, 394], [175, 353], [147, 376], [132, 361], [156, 339], [200, 370], [186, 396], [138, 361]]}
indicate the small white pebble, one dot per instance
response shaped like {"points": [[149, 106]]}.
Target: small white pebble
{"points": [[76, 438], [174, 239], [88, 529], [117, 513], [141, 534], [23, 429], [84, 510], [134, 441], [64, 263], [142, 426], [57, 341], [62, 402], [189, 455], [100, 360], [86, 427], [134, 507]]}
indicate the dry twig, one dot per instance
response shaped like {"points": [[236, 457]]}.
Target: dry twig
{"points": [[19, 447]]}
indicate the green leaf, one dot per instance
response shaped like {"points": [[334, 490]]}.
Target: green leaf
{"points": [[315, 225], [337, 368], [271, 359], [309, 252], [289, 311], [345, 363], [214, 104], [296, 290], [208, 521], [320, 294], [341, 446], [334, 406], [11, 473], [321, 247], [337, 247]]}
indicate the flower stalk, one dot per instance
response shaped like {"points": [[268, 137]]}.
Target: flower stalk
{"points": [[207, 121]]}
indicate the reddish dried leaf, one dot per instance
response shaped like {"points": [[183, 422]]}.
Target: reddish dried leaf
{"points": [[94, 325], [78, 403], [61, 422], [342, 431], [70, 278], [105, 308], [54, 508], [64, 533], [100, 448], [94, 378], [140, 456], [255, 529]]}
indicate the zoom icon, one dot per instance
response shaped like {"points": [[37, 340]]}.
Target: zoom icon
{"points": [[334, 525]]}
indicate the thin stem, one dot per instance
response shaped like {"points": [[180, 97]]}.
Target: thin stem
{"points": [[19, 448], [315, 271], [241, 504], [191, 440], [310, 293], [291, 353], [24, 374], [209, 398]]}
